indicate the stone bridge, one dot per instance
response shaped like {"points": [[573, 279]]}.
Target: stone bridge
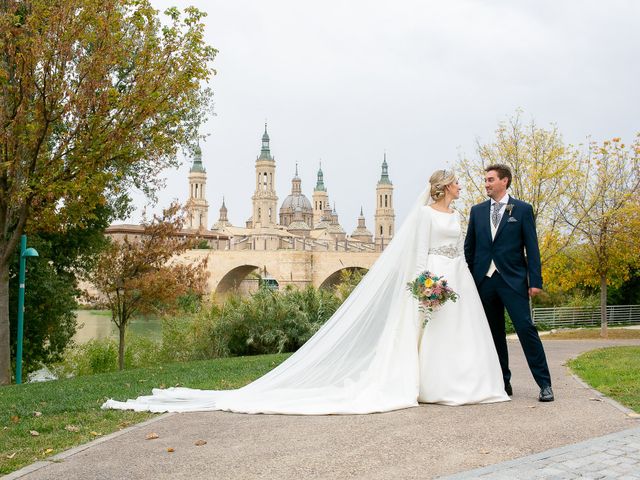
{"points": [[228, 269]]}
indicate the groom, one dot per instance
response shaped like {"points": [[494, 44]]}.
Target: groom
{"points": [[499, 232]]}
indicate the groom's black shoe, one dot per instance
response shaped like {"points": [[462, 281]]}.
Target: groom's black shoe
{"points": [[508, 389], [546, 394]]}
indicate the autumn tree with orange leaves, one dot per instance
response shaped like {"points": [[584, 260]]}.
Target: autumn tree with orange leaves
{"points": [[544, 172], [604, 211], [146, 275]]}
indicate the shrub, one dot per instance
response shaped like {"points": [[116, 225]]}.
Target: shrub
{"points": [[141, 352], [95, 356]]}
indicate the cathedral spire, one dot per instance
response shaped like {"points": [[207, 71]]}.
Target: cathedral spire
{"points": [[265, 152], [320, 182], [384, 178], [197, 160]]}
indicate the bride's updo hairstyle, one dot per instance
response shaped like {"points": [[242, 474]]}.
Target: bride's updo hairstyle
{"points": [[439, 181]]}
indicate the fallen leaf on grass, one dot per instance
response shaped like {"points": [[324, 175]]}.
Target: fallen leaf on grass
{"points": [[72, 428], [15, 418], [33, 433], [199, 443], [178, 385], [124, 424], [12, 455], [37, 414], [48, 451], [162, 385], [170, 450], [152, 436], [95, 434]]}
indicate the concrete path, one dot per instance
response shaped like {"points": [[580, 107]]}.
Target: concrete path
{"points": [[424, 442]]}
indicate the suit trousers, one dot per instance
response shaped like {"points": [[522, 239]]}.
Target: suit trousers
{"points": [[496, 295]]}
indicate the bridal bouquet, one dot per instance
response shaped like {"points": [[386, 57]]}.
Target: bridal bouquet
{"points": [[432, 291]]}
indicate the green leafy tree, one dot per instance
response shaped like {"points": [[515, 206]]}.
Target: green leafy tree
{"points": [[51, 294], [96, 96], [50, 302]]}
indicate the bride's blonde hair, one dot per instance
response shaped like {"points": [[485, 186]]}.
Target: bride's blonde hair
{"points": [[439, 181]]}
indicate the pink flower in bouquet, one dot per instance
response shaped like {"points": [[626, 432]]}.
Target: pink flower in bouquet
{"points": [[432, 291]]}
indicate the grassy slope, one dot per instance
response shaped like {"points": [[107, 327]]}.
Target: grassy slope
{"points": [[76, 402]]}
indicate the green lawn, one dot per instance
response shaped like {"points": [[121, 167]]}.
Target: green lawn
{"points": [[66, 413], [593, 334], [614, 371]]}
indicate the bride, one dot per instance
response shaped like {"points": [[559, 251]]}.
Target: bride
{"points": [[373, 354]]}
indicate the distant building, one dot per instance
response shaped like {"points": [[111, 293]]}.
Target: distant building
{"points": [[310, 230]]}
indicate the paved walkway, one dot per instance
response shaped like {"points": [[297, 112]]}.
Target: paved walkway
{"points": [[612, 456], [430, 441]]}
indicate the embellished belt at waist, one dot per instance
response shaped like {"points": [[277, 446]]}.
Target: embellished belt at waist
{"points": [[450, 251]]}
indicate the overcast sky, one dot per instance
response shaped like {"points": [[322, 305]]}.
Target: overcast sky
{"points": [[343, 81]]}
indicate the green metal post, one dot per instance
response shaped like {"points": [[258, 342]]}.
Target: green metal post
{"points": [[23, 266], [24, 253]]}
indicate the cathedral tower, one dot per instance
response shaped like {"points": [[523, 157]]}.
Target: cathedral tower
{"points": [[197, 206], [361, 233], [265, 200], [223, 221], [320, 198], [384, 216]]}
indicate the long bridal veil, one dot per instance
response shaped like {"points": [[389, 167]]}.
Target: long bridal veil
{"points": [[363, 360]]}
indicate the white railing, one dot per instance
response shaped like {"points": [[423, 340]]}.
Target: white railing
{"points": [[586, 316]]}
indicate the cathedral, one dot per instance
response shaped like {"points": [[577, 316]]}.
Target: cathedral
{"points": [[299, 224]]}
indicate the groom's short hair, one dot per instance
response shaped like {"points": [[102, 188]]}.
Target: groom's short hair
{"points": [[502, 170]]}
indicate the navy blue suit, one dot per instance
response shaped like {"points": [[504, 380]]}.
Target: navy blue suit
{"points": [[509, 286]]}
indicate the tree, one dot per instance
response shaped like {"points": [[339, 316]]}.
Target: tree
{"points": [[137, 276], [544, 173], [50, 302], [52, 291], [96, 97], [605, 213]]}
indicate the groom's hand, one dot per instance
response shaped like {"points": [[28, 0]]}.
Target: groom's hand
{"points": [[534, 291]]}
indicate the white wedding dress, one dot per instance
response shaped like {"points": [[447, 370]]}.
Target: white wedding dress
{"points": [[365, 358], [457, 357]]}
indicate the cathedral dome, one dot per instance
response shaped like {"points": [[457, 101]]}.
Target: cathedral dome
{"points": [[296, 200]]}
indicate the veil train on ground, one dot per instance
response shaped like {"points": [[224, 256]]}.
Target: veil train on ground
{"points": [[364, 359]]}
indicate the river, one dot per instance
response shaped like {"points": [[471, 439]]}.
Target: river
{"points": [[95, 324]]}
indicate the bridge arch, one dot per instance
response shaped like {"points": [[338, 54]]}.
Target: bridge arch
{"points": [[334, 278], [233, 278]]}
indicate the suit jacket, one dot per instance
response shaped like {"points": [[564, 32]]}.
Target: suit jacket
{"points": [[516, 233]]}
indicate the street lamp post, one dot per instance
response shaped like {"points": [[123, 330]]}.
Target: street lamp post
{"points": [[24, 253]]}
